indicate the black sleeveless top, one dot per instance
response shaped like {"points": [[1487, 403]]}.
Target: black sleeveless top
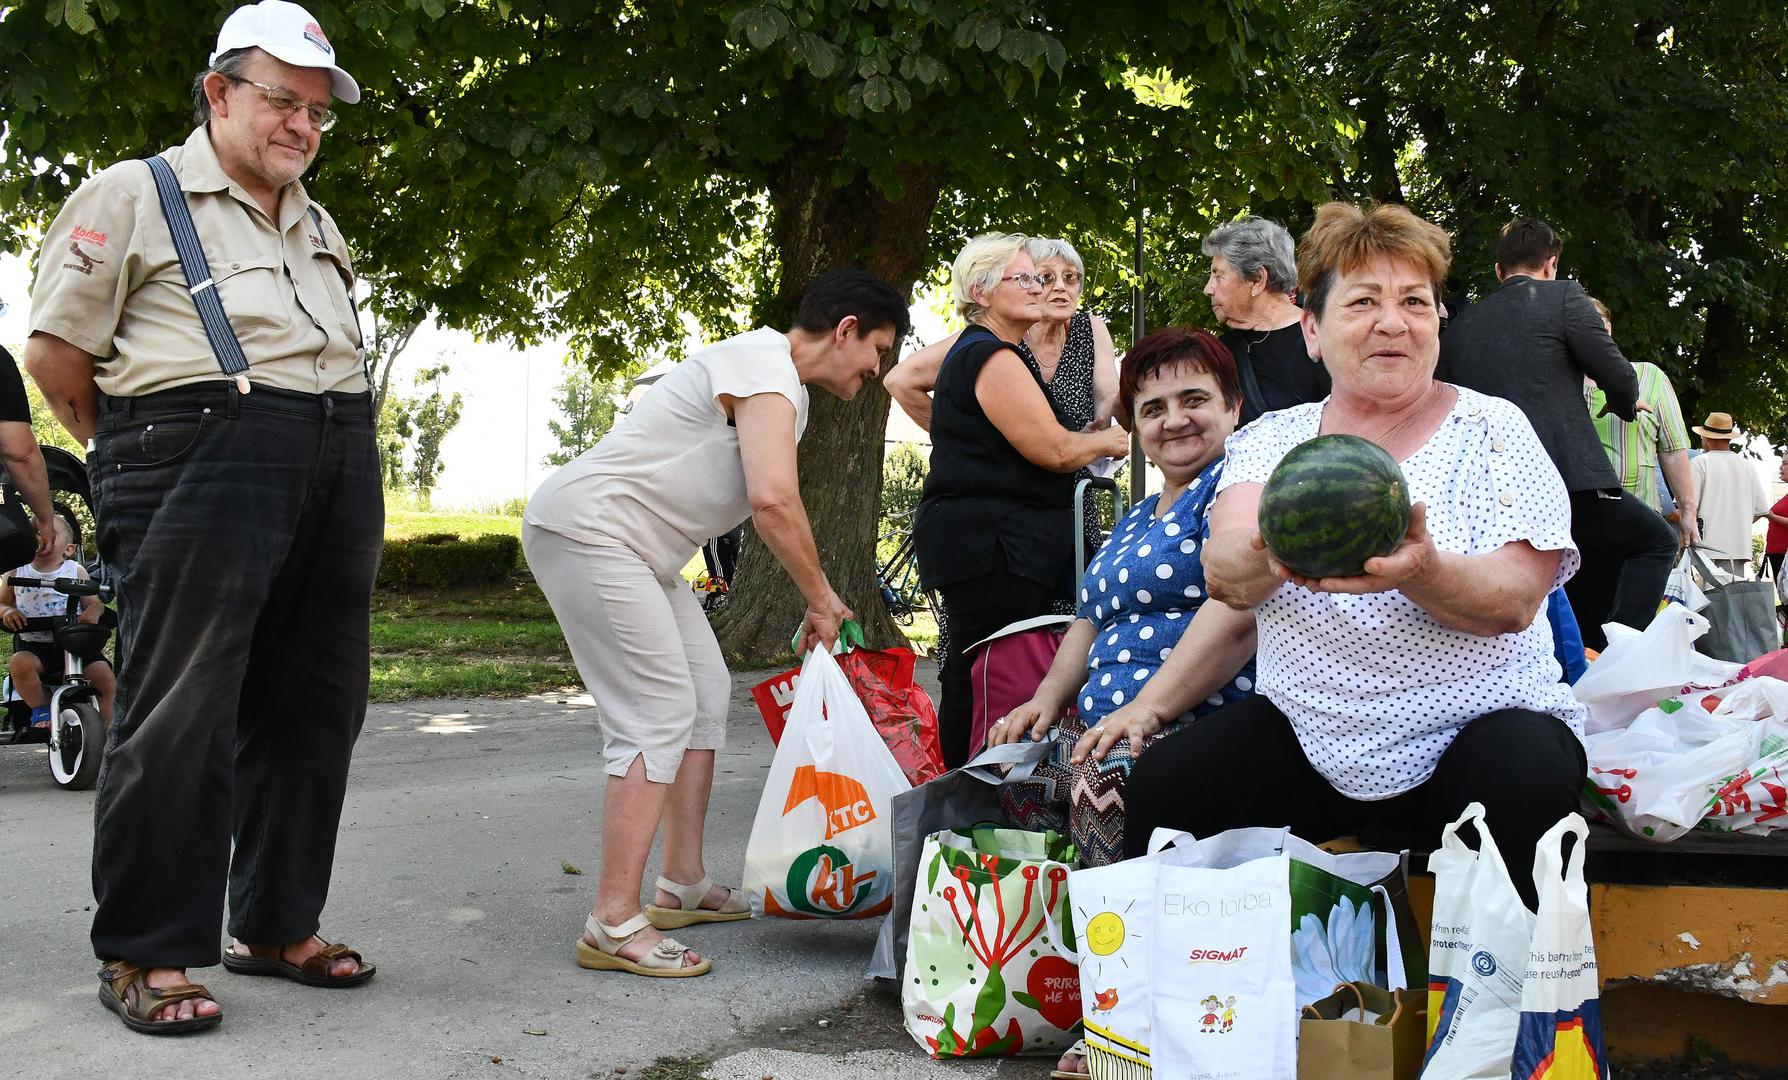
{"points": [[981, 494]]}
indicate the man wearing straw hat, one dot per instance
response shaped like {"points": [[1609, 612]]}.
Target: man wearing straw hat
{"points": [[1729, 495]]}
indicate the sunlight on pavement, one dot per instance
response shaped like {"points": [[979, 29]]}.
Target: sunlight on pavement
{"points": [[450, 724], [862, 1064]]}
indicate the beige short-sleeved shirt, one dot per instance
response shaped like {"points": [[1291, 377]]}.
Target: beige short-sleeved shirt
{"points": [[668, 476], [109, 282]]}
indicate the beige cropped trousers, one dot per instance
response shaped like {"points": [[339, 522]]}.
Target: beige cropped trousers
{"points": [[643, 648]]}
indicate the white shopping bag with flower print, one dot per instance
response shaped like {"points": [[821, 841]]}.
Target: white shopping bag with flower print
{"points": [[1332, 908]]}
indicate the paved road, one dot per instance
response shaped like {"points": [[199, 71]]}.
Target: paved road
{"points": [[459, 817]]}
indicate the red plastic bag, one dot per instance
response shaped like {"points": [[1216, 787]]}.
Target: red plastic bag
{"points": [[898, 706]]}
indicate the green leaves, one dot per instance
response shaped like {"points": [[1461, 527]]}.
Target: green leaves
{"points": [[760, 24], [988, 34], [72, 14], [821, 58], [607, 166]]}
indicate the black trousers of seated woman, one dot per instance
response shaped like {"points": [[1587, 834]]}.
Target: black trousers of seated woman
{"points": [[1242, 766]]}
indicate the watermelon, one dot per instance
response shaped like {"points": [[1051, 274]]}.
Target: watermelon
{"points": [[1332, 503]]}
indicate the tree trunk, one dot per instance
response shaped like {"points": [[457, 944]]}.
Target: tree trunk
{"points": [[818, 227], [1379, 135]]}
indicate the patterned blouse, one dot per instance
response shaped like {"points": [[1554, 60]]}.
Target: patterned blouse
{"points": [[1071, 399], [1141, 592], [1375, 688]]}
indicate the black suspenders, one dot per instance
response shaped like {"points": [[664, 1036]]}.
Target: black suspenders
{"points": [[224, 343]]}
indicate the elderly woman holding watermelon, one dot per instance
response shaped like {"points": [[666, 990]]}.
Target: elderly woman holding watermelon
{"points": [[1405, 661]]}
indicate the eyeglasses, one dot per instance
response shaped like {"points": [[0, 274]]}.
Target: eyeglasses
{"points": [[1068, 278], [285, 102], [1027, 282]]}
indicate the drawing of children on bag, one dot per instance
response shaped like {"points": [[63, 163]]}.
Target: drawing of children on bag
{"points": [[1208, 1022], [1228, 1014]]}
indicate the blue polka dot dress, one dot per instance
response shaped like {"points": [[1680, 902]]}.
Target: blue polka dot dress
{"points": [[1141, 591]]}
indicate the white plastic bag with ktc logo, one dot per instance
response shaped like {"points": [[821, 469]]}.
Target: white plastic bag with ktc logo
{"points": [[1477, 957], [820, 847]]}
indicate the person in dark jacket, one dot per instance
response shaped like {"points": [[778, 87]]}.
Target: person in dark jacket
{"points": [[1532, 342]]}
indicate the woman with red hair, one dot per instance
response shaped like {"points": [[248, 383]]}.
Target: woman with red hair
{"points": [[1145, 655]]}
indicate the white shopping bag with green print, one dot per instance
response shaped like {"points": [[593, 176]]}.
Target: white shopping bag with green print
{"points": [[989, 967]]}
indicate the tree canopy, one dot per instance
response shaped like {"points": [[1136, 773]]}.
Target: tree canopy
{"points": [[1649, 133], [605, 170]]}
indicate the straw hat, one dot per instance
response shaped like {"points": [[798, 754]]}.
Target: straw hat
{"points": [[1718, 425]]}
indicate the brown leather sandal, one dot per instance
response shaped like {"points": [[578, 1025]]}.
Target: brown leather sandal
{"points": [[123, 989], [313, 972]]}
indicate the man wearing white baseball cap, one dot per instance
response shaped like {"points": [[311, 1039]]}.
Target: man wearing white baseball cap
{"points": [[193, 323]]}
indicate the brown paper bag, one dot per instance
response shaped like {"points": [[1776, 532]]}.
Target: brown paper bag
{"points": [[1362, 1032]]}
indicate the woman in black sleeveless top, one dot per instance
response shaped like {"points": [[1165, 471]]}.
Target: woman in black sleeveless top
{"points": [[993, 533]]}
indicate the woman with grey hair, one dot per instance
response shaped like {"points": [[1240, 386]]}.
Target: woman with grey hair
{"points": [[1253, 278], [994, 532], [1070, 350]]}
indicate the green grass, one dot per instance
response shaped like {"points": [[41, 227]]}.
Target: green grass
{"points": [[497, 641], [486, 641], [923, 633], [673, 1068], [490, 641], [400, 524]]}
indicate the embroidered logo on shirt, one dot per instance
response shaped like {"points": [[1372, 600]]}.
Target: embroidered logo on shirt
{"points": [[87, 262], [314, 34], [81, 232], [317, 242]]}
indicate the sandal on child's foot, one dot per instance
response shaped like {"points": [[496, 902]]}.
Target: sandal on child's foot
{"points": [[1064, 1071], [689, 910], [663, 961]]}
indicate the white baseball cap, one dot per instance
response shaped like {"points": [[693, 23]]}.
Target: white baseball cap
{"points": [[285, 32]]}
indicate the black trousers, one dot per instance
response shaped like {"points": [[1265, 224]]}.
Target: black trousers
{"points": [[1628, 550], [1242, 766], [244, 533], [976, 608]]}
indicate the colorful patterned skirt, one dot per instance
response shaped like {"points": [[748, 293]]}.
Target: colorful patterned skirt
{"points": [[1086, 801]]}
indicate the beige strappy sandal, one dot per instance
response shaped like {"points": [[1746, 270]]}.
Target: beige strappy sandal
{"points": [[664, 961], [689, 911]]}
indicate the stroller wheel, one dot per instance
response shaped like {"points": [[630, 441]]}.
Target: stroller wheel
{"points": [[74, 761]]}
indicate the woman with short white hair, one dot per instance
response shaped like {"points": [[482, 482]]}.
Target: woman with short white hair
{"points": [[1253, 279], [994, 529], [1070, 348]]}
